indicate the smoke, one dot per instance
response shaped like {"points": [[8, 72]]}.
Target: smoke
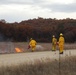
{"points": [[3, 38], [39, 47]]}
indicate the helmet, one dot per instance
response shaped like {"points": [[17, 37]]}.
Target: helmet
{"points": [[53, 35], [61, 34], [31, 39]]}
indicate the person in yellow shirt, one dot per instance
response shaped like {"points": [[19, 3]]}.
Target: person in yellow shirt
{"points": [[61, 43], [54, 41], [32, 44]]}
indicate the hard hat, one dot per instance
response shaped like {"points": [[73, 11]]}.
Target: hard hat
{"points": [[31, 39], [53, 35], [61, 34]]}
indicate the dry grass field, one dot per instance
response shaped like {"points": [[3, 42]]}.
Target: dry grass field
{"points": [[66, 66], [62, 66], [9, 47]]}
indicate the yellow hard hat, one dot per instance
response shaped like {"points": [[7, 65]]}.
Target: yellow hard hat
{"points": [[61, 34]]}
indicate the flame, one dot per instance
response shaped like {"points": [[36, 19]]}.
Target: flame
{"points": [[18, 50]]}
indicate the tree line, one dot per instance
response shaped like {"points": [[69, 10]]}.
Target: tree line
{"points": [[39, 29]]}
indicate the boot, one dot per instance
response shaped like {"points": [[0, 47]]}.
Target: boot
{"points": [[61, 53]]}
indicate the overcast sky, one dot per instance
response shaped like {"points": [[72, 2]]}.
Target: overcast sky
{"points": [[19, 10]]}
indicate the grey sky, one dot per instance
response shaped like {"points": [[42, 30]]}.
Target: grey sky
{"points": [[63, 7], [18, 10]]}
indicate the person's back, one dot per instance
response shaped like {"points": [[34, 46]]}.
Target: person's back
{"points": [[54, 40], [61, 43], [33, 44], [61, 40]]}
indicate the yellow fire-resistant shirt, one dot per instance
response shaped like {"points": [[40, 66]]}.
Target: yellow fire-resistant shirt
{"points": [[33, 43], [54, 40], [61, 40]]}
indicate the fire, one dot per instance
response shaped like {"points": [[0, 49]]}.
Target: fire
{"points": [[18, 50]]}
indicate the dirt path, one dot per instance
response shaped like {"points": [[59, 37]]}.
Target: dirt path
{"points": [[18, 58]]}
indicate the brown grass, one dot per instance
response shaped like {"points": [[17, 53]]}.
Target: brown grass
{"points": [[9, 47], [66, 66]]}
